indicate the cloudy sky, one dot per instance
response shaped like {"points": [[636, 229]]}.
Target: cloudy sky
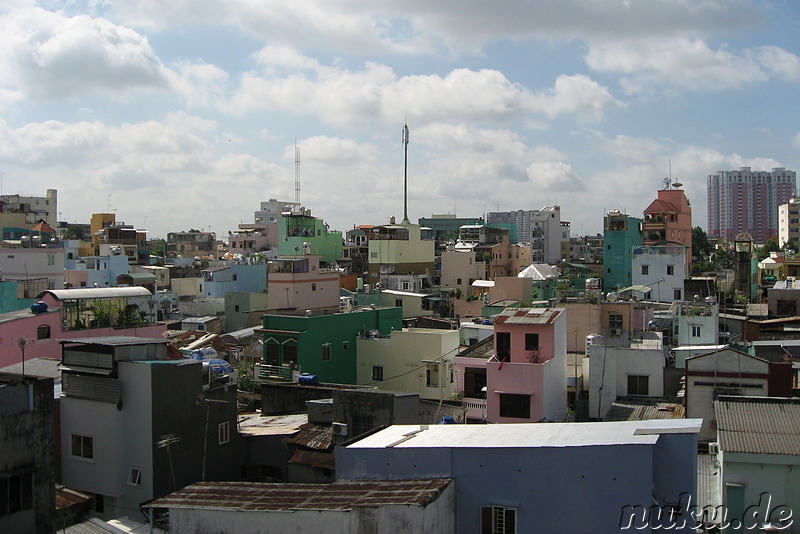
{"points": [[185, 113]]}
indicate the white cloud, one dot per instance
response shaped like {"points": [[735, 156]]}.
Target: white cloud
{"points": [[796, 140], [355, 98], [421, 25], [48, 55], [651, 64]]}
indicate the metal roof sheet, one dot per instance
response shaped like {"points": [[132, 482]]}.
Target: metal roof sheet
{"points": [[634, 409], [314, 436], [766, 425], [339, 495], [96, 293], [115, 341], [527, 315], [40, 367]]}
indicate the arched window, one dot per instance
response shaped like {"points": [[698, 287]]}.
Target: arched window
{"points": [[43, 331]]}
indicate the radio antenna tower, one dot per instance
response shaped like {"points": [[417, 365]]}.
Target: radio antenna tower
{"points": [[296, 173], [405, 173]]}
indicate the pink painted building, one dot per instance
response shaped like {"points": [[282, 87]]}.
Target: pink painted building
{"points": [[298, 282], [521, 374], [76, 314]]}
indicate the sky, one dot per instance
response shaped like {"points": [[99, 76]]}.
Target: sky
{"points": [[186, 114]]}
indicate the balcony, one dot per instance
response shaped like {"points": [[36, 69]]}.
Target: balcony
{"points": [[476, 408]]}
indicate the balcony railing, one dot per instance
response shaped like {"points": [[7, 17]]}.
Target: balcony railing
{"points": [[476, 408]]}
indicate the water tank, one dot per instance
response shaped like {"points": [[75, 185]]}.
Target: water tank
{"points": [[306, 379], [39, 306]]}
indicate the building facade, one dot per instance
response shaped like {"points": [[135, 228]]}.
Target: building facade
{"points": [[747, 201], [789, 223], [668, 221], [541, 228], [621, 234]]}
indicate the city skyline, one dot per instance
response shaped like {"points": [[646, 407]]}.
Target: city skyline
{"points": [[187, 116]]}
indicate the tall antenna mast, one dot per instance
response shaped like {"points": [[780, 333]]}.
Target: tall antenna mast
{"points": [[296, 173], [405, 173]]}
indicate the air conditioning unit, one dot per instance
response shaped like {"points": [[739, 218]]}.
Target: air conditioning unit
{"points": [[615, 331], [713, 448], [339, 429]]}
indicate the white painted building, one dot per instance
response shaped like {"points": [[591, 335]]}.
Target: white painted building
{"points": [[541, 228], [723, 372], [660, 268], [635, 371], [412, 360], [35, 262]]}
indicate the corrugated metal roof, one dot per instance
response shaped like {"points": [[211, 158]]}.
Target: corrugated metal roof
{"points": [[40, 367], [313, 436], [765, 425], [630, 409], [339, 495], [115, 341], [708, 481], [527, 315], [271, 425], [96, 293], [319, 459]]}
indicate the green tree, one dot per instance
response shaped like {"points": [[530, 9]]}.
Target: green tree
{"points": [[770, 245], [701, 247], [74, 231]]}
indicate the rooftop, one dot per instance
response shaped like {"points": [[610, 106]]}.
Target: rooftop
{"points": [[339, 495], [526, 435], [116, 341], [766, 425], [639, 409], [527, 315], [255, 424]]}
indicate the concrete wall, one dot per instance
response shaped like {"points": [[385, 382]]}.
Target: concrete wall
{"points": [[544, 484], [437, 517], [28, 446], [725, 369], [609, 370], [404, 351], [775, 474]]}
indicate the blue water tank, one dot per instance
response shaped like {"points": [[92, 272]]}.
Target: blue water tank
{"points": [[306, 379], [39, 306]]}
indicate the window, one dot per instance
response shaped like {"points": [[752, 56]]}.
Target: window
{"points": [[498, 520], [645, 269], [235, 277], [236, 308], [326, 352], [398, 303], [313, 286], [135, 476], [373, 254], [670, 270], [43, 331], [474, 382], [83, 447], [676, 294], [638, 385], [377, 373], [345, 345], [224, 432], [458, 281], [502, 342], [362, 423], [290, 354], [531, 341], [695, 331], [405, 286], [432, 376], [16, 493], [514, 405], [615, 320], [272, 354]]}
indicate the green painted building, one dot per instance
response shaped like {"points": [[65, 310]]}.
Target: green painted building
{"points": [[300, 233], [621, 234], [324, 345]]}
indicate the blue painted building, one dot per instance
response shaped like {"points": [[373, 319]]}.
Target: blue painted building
{"points": [[540, 477], [239, 278]]}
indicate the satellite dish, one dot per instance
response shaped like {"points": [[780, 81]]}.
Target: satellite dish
{"points": [[612, 297]]}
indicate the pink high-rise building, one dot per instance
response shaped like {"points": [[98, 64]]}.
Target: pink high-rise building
{"points": [[747, 201]]}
